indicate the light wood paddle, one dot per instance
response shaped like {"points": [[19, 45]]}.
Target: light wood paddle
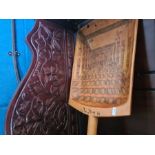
{"points": [[102, 76]]}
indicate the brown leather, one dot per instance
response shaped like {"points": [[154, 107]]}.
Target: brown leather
{"points": [[40, 104]]}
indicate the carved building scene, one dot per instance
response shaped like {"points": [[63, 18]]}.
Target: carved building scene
{"points": [[77, 76]]}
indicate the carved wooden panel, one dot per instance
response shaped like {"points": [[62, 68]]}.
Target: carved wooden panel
{"points": [[103, 68], [40, 104]]}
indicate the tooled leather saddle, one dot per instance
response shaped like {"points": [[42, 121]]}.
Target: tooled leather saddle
{"points": [[40, 104]]}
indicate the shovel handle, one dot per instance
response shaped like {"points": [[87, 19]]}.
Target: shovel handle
{"points": [[92, 125]]}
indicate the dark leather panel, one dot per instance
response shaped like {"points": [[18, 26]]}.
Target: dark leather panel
{"points": [[143, 115], [40, 104], [145, 81], [71, 24]]}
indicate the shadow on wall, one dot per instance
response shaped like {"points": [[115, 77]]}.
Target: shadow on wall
{"points": [[143, 116]]}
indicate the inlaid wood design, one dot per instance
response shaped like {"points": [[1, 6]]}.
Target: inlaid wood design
{"points": [[40, 104], [103, 68]]}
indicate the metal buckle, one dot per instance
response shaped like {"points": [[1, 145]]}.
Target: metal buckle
{"points": [[13, 53]]}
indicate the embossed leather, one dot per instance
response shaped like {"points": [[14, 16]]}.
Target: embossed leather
{"points": [[40, 104]]}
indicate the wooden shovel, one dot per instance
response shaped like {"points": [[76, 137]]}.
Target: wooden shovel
{"points": [[102, 76]]}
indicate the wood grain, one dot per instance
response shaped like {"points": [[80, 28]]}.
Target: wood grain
{"points": [[92, 125], [102, 76]]}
